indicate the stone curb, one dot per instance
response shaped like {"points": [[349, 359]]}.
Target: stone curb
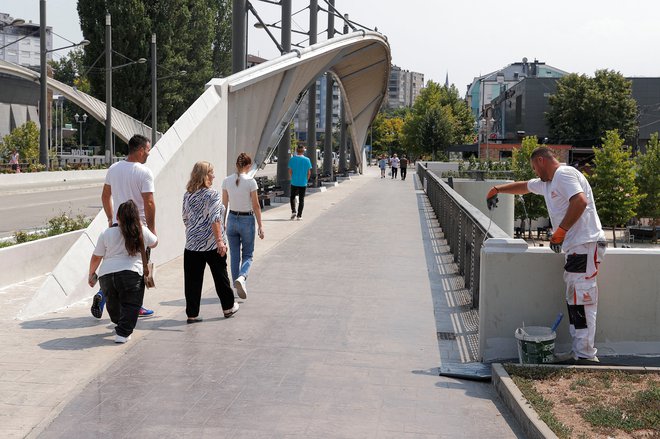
{"points": [[526, 416]]}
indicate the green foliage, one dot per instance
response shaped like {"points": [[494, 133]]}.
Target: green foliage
{"points": [[186, 31], [522, 170], [648, 180], [584, 108], [613, 182], [56, 226], [542, 406], [24, 139], [387, 133], [439, 118]]}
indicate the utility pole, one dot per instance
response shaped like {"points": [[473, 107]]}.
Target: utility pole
{"points": [[342, 132], [239, 35], [154, 92], [327, 150], [284, 147], [43, 87], [108, 88], [311, 96]]}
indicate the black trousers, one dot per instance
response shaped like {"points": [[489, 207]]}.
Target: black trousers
{"points": [[300, 191], [124, 292], [194, 264], [404, 171], [394, 172]]}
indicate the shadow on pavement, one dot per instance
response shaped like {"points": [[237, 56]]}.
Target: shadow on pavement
{"points": [[64, 323], [78, 343]]}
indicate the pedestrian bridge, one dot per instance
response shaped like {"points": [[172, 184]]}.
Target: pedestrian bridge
{"points": [[247, 111]]}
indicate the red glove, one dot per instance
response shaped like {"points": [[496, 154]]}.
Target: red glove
{"points": [[557, 239], [491, 198]]}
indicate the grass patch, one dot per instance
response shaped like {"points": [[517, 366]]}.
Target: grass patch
{"points": [[542, 406]]}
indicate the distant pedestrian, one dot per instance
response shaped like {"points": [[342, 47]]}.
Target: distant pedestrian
{"points": [[203, 216], [239, 191], [13, 161], [394, 162], [404, 167], [121, 248], [129, 180], [300, 169], [382, 164]]}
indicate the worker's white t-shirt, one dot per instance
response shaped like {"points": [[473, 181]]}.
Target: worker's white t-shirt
{"points": [[240, 196], [566, 183], [128, 181]]}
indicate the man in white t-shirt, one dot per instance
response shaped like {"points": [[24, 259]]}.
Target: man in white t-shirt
{"points": [[129, 180], [577, 231]]}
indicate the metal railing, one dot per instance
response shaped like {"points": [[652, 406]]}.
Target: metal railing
{"points": [[465, 227]]}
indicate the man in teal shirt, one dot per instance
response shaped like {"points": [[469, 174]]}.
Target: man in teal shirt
{"points": [[300, 168]]}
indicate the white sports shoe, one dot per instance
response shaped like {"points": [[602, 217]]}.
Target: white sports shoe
{"points": [[293, 216], [240, 286], [120, 339]]}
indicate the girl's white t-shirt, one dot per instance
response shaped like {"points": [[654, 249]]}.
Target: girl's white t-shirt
{"points": [[113, 249], [240, 199]]}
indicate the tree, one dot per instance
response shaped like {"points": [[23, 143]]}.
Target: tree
{"points": [[522, 171], [222, 40], [584, 108], [24, 139], [387, 133], [613, 182], [648, 181], [185, 32], [439, 118]]}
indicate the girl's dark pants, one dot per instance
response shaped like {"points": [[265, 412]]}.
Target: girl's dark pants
{"points": [[124, 292]]}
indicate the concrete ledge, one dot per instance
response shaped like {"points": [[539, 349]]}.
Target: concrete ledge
{"points": [[35, 258], [329, 184], [316, 190], [27, 178], [342, 179], [526, 416]]}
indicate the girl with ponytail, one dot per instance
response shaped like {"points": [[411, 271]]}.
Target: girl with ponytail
{"points": [[240, 199], [121, 274]]}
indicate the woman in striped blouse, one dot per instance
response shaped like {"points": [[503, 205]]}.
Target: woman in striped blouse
{"points": [[203, 216]]}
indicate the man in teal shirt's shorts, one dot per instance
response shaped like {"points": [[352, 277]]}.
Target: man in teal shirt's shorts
{"points": [[300, 169]]}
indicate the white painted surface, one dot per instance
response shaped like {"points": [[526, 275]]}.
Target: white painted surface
{"points": [[526, 286], [475, 192], [27, 178], [21, 262]]}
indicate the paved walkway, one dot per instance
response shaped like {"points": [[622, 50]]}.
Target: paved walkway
{"points": [[338, 339]]}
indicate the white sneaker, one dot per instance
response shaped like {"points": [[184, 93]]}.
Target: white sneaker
{"points": [[293, 216], [241, 289], [120, 339], [232, 311], [299, 218]]}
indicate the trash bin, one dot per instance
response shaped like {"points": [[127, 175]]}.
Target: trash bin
{"points": [[536, 344]]}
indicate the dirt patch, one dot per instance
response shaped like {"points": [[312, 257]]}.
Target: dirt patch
{"points": [[586, 404]]}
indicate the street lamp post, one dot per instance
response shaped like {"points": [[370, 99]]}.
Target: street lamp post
{"points": [[486, 123], [43, 83], [81, 121]]}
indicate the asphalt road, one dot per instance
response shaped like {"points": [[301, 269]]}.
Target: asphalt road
{"points": [[30, 208]]}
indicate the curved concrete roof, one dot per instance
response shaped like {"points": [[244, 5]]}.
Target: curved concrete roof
{"points": [[123, 125], [247, 111]]}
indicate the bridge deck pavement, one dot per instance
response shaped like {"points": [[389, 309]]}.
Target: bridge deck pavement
{"points": [[337, 339]]}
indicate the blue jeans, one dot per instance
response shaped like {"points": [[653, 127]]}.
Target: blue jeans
{"points": [[240, 233]]}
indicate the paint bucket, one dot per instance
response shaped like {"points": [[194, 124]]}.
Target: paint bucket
{"points": [[536, 344]]}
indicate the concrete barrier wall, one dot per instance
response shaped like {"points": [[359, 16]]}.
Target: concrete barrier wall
{"points": [[26, 178], [439, 167], [475, 192], [525, 285], [21, 262]]}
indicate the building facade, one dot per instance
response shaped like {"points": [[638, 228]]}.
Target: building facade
{"points": [[403, 87], [302, 115], [484, 89]]}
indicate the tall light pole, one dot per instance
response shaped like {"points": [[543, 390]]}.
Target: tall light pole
{"points": [[327, 150], [154, 92], [109, 147], [81, 121], [43, 83], [311, 96], [239, 35], [284, 147], [487, 123]]}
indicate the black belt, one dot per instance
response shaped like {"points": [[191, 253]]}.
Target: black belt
{"points": [[233, 212]]}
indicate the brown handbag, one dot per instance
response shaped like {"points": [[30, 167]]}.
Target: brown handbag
{"points": [[147, 268]]}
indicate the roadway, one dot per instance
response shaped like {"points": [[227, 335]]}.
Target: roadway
{"points": [[30, 208]]}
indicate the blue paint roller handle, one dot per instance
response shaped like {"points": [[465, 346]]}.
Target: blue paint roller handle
{"points": [[558, 321]]}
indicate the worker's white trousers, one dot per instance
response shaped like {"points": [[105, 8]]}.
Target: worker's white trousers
{"points": [[580, 273]]}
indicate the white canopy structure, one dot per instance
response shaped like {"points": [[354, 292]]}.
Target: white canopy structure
{"points": [[123, 125], [245, 112]]}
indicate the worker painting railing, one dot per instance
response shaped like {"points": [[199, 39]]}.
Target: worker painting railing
{"points": [[465, 227]]}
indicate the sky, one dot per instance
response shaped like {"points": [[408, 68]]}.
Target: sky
{"points": [[460, 38]]}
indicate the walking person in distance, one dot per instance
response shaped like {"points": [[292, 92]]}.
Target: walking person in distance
{"points": [[239, 195], [300, 169]]}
